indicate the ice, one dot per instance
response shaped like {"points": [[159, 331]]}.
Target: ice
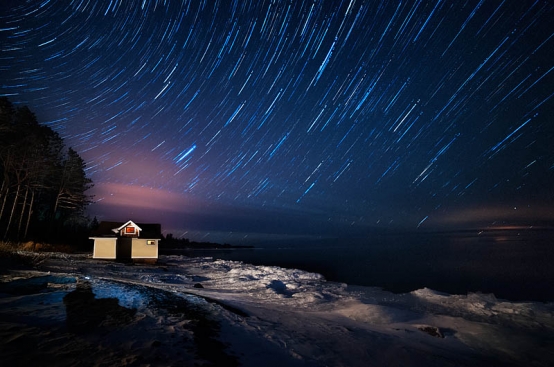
{"points": [[299, 318], [128, 297]]}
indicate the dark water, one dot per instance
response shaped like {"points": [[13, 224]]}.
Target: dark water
{"points": [[517, 266]]}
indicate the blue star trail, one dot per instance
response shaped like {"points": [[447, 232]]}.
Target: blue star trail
{"points": [[333, 116]]}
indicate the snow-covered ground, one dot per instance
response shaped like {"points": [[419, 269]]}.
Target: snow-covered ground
{"points": [[200, 311]]}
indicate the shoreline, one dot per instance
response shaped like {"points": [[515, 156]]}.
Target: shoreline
{"points": [[499, 268], [259, 315]]}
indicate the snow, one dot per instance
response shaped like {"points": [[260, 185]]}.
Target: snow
{"points": [[272, 316]]}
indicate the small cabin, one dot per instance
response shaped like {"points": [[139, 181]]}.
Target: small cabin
{"points": [[126, 241]]}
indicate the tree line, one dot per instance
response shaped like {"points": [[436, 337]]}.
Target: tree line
{"points": [[43, 189]]}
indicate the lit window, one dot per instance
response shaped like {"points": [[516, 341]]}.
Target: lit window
{"points": [[150, 242], [130, 230]]}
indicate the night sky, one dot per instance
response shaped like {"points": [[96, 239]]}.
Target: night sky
{"points": [[243, 120]]}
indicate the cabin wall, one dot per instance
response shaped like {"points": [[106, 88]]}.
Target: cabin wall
{"points": [[141, 248], [104, 248]]}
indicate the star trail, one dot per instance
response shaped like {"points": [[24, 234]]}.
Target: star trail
{"points": [[274, 118]]}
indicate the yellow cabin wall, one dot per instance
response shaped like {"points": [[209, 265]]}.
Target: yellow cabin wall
{"points": [[124, 248], [140, 249], [104, 248]]}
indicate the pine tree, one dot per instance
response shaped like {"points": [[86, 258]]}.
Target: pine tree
{"points": [[73, 183], [42, 185]]}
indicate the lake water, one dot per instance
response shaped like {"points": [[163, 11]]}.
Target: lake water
{"points": [[517, 266]]}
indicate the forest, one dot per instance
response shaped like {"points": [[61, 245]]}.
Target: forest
{"points": [[43, 187]]}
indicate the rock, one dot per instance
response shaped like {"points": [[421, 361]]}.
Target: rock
{"points": [[431, 330]]}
